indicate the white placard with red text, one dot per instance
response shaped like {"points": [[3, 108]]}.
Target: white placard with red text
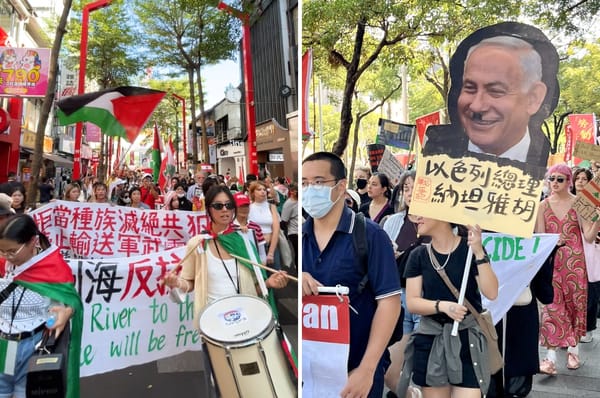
{"points": [[325, 345]]}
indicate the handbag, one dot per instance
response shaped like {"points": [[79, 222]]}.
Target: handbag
{"points": [[47, 367], [484, 320], [285, 250], [524, 298]]}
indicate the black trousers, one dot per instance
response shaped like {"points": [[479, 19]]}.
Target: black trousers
{"points": [[592, 305]]}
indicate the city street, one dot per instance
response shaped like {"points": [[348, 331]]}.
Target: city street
{"points": [[184, 374]]}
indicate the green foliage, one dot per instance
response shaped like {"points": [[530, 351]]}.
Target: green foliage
{"points": [[112, 57]]}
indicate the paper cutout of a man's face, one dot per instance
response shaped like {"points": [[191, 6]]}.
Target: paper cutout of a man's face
{"points": [[499, 95]]}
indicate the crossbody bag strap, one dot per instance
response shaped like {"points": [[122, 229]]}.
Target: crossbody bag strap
{"points": [[7, 291], [442, 273]]}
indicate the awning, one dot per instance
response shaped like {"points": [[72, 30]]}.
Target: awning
{"points": [[58, 160]]}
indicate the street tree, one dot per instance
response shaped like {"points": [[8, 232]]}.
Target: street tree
{"points": [[186, 35], [47, 104], [112, 57]]}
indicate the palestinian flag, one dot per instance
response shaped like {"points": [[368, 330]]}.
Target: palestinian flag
{"points": [[119, 112], [49, 275], [168, 165]]}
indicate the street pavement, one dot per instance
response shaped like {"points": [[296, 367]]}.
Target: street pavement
{"points": [[183, 374], [583, 382]]}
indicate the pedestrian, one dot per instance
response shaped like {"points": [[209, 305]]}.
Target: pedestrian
{"points": [[265, 214], [352, 199], [289, 218], [210, 271], [19, 200], [328, 260], [564, 320], [72, 192], [252, 230], [379, 191], [148, 192], [441, 364], [362, 175], [99, 193], [135, 194], [581, 177], [402, 231], [37, 281], [46, 189]]}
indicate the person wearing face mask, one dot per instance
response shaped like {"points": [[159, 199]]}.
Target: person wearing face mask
{"points": [[327, 260], [362, 181], [184, 202]]}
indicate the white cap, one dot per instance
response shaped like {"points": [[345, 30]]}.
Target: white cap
{"points": [[354, 195]]}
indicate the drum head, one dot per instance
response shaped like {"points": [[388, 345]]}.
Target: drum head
{"points": [[235, 319]]}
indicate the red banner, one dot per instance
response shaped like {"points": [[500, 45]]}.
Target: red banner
{"points": [[583, 128], [568, 143], [425, 121], [326, 318], [306, 77]]}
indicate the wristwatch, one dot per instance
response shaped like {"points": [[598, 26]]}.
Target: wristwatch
{"points": [[483, 260]]}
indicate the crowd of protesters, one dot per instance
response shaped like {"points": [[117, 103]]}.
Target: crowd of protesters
{"points": [[560, 294]]}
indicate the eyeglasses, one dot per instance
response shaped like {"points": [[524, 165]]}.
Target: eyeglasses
{"points": [[318, 184], [12, 253], [560, 180], [219, 206]]}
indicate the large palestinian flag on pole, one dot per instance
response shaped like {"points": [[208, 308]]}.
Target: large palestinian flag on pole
{"points": [[119, 112], [49, 275]]}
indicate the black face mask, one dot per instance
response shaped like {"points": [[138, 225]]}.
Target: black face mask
{"points": [[361, 183]]}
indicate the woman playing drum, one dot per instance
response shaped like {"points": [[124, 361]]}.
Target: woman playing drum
{"points": [[210, 271]]}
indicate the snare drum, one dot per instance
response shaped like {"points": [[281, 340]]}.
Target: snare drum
{"points": [[240, 337]]}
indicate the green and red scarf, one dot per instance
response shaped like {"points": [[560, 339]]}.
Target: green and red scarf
{"points": [[49, 275]]}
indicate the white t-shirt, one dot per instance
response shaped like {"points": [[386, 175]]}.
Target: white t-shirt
{"points": [[219, 283]]}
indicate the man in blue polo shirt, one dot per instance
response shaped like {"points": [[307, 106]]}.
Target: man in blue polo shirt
{"points": [[328, 259]]}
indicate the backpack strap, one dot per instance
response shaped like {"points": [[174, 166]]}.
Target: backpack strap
{"points": [[359, 241]]}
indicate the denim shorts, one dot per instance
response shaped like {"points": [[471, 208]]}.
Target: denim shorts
{"points": [[15, 385], [411, 321]]}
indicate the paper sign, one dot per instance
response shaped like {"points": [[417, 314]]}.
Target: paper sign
{"points": [[586, 151], [588, 199], [470, 191]]}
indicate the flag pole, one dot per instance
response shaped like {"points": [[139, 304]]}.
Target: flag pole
{"points": [[463, 287]]}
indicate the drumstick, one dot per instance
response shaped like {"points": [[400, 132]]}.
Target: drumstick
{"points": [[180, 264], [263, 266]]}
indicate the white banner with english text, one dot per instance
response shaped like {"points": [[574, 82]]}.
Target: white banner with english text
{"points": [[515, 262], [128, 317]]}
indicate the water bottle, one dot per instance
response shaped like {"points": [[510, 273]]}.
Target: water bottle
{"points": [[51, 319]]}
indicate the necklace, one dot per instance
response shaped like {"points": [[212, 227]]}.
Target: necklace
{"points": [[434, 260]]}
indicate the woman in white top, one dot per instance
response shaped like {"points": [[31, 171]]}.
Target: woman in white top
{"points": [[211, 272], [265, 214]]}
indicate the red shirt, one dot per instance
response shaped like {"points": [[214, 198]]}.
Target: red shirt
{"points": [[147, 197]]}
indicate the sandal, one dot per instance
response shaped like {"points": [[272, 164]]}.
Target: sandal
{"points": [[572, 361], [548, 367]]}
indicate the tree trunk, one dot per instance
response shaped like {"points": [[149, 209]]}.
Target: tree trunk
{"points": [[193, 109], [351, 79], [47, 106], [205, 152]]}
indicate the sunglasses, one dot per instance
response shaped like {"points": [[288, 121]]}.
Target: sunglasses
{"points": [[219, 206], [349, 202], [560, 180]]}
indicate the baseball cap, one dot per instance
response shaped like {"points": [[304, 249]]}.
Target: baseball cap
{"points": [[354, 195], [147, 175], [241, 199], [5, 205]]}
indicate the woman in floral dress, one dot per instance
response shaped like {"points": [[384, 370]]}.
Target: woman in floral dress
{"points": [[564, 321]]}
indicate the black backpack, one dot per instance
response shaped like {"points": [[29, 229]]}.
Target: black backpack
{"points": [[361, 247]]}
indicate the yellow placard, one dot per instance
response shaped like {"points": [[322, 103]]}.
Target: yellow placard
{"points": [[470, 191], [585, 150]]}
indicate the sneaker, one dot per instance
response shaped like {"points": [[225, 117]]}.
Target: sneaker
{"points": [[587, 338]]}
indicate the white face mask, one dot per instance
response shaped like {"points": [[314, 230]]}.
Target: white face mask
{"points": [[180, 195], [317, 200], [127, 200]]}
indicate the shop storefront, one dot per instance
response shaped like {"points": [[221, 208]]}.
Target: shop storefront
{"points": [[274, 151]]}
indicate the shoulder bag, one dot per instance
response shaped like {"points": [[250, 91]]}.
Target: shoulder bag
{"points": [[484, 319]]}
